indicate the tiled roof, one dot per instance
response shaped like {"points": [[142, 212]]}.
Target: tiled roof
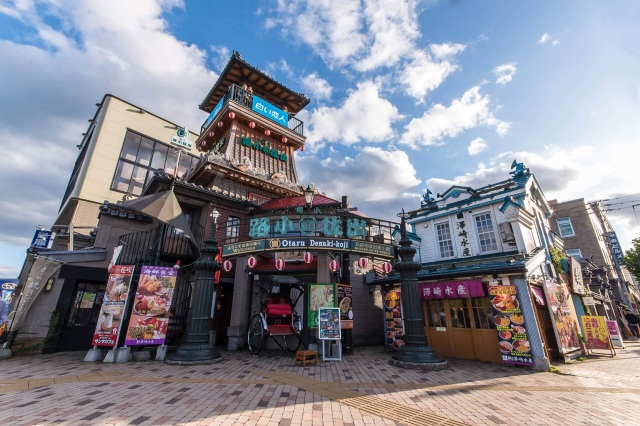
{"points": [[280, 203]]}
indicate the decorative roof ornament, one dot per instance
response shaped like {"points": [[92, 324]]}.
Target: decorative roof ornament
{"points": [[427, 198], [520, 169]]}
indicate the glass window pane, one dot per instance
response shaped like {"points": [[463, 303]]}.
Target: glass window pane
{"points": [[172, 159], [122, 177], [130, 146], [185, 162], [137, 180], [144, 154], [159, 157]]}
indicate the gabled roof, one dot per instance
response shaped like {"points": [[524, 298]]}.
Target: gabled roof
{"points": [[238, 71]]}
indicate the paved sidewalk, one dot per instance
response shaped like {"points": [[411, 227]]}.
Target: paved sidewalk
{"points": [[362, 389]]}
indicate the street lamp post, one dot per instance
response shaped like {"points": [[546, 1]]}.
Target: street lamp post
{"points": [[197, 348], [415, 353]]}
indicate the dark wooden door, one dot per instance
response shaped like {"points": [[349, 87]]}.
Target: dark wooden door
{"points": [[81, 319]]}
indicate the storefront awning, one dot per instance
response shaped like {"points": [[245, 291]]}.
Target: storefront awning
{"points": [[451, 289]]}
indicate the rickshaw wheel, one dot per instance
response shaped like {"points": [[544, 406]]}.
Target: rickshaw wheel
{"points": [[255, 338], [292, 342]]}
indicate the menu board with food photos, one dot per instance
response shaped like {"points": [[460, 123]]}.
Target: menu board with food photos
{"points": [[563, 316], [113, 305], [509, 321], [150, 310], [329, 324], [345, 303], [393, 327]]}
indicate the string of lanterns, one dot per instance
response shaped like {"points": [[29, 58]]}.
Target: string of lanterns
{"points": [[334, 265]]}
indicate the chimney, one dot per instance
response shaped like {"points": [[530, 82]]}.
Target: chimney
{"points": [[345, 202]]}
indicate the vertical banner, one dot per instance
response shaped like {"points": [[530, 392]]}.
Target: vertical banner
{"points": [[150, 310], [345, 303], [393, 326], [616, 250], [41, 270], [320, 296], [510, 325], [329, 324], [7, 287], [596, 333], [113, 305], [562, 315]]}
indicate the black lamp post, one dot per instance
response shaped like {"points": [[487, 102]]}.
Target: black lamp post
{"points": [[415, 353], [197, 348]]}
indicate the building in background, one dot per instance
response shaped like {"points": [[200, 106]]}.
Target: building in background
{"points": [[588, 234], [480, 247]]}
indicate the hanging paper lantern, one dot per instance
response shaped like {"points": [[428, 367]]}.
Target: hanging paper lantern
{"points": [[211, 134], [284, 140], [267, 132], [386, 267], [199, 148], [362, 262], [302, 148], [252, 262], [220, 124], [252, 124], [308, 257], [226, 265], [232, 115], [334, 265], [279, 264]]}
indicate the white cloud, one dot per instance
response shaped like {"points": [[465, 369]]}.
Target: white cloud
{"points": [[392, 30], [546, 38], [318, 87], [221, 55], [476, 146], [332, 28], [376, 179], [504, 73], [439, 122], [364, 115], [114, 47], [424, 72], [364, 35]]}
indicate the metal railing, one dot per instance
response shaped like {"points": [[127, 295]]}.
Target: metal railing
{"points": [[245, 98], [154, 244]]}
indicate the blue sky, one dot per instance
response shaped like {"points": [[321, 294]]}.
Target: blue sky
{"points": [[406, 95]]}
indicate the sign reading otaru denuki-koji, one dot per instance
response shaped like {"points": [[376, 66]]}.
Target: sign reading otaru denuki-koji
{"points": [[150, 310], [510, 325], [113, 305]]}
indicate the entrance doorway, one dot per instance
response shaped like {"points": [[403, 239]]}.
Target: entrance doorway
{"points": [[82, 317], [462, 328]]}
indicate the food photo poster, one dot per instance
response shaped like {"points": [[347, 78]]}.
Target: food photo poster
{"points": [[510, 325], [113, 305], [150, 311]]}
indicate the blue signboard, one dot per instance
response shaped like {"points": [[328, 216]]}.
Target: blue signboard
{"points": [[270, 111], [616, 250], [41, 239], [215, 112]]}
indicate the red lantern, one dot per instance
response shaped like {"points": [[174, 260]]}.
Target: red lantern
{"points": [[232, 115], [308, 257], [252, 124], [334, 265], [302, 148], [279, 264], [284, 140], [226, 265], [362, 262], [211, 134], [252, 262], [386, 267], [267, 132], [199, 148], [220, 124]]}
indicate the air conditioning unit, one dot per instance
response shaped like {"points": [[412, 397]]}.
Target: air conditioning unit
{"points": [[506, 233]]}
